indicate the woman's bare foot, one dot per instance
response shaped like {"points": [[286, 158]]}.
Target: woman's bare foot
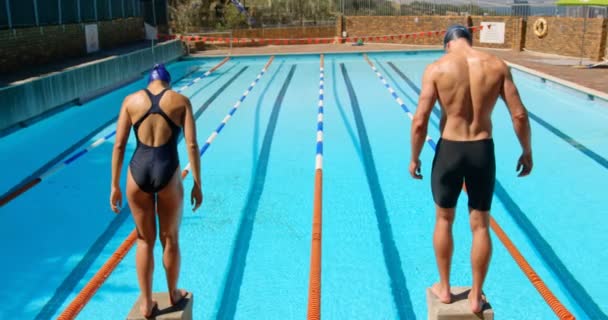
{"points": [[148, 308], [476, 301], [177, 295], [443, 294]]}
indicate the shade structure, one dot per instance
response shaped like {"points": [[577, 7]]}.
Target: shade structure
{"points": [[582, 3]]}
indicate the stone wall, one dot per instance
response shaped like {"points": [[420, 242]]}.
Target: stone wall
{"points": [[564, 37], [357, 26], [287, 33], [41, 45]]}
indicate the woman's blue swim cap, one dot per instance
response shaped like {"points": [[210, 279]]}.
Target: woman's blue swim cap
{"points": [[159, 73]]}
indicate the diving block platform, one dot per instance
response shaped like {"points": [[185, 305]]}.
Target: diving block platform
{"points": [[181, 311], [459, 309]]}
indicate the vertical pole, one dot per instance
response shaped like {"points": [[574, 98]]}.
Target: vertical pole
{"points": [[153, 11], [95, 7], [36, 12], [110, 8], [585, 12], [8, 14], [122, 2], [78, 8], [59, 7]]}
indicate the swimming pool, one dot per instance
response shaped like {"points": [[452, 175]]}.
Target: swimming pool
{"points": [[247, 251]]}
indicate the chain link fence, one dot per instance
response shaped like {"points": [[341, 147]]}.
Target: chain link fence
{"points": [[218, 15]]}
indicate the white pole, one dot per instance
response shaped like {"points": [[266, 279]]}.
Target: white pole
{"points": [[585, 12]]}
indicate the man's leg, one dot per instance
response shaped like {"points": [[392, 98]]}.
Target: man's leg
{"points": [[444, 247], [481, 252]]}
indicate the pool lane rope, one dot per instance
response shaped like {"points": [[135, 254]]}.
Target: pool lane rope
{"points": [[217, 131], [9, 197], [558, 308], [83, 297], [314, 286]]}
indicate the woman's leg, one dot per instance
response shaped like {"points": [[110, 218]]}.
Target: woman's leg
{"points": [[170, 200], [142, 209]]}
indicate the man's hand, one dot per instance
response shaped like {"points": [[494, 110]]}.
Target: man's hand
{"points": [[415, 169], [524, 164]]}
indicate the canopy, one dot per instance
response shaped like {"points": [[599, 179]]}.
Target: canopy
{"points": [[582, 3]]}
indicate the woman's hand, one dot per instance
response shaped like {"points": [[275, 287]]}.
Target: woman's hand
{"points": [[116, 199], [196, 197]]}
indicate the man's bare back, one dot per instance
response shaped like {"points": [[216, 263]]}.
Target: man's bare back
{"points": [[468, 83]]}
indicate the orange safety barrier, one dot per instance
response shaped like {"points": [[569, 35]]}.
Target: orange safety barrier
{"points": [[557, 307], [278, 41], [314, 285], [83, 297]]}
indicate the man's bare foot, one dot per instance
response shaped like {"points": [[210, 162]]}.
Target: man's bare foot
{"points": [[177, 295], [443, 294], [477, 302], [148, 308]]}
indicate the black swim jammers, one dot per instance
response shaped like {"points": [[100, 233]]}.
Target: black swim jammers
{"points": [[456, 162]]}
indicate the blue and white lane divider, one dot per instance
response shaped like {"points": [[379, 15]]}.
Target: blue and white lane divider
{"points": [[319, 157], [230, 114], [94, 145], [428, 139]]}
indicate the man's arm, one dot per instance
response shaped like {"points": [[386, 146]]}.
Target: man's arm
{"points": [[426, 101], [521, 123]]}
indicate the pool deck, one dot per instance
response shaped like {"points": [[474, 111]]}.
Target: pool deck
{"points": [[557, 66]]}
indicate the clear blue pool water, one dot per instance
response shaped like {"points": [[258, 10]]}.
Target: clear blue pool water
{"points": [[246, 252]]}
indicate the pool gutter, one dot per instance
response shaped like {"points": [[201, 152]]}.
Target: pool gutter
{"points": [[592, 94]]}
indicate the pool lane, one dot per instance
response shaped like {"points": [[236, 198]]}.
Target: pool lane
{"points": [[534, 238], [97, 128], [205, 230], [74, 203]]}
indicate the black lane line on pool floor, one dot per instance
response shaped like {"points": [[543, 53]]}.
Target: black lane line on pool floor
{"points": [[236, 270], [71, 281], [544, 249], [571, 141], [256, 125], [70, 149], [349, 128], [392, 260]]}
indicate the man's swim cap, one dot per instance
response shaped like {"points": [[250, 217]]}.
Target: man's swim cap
{"points": [[456, 32], [159, 73]]}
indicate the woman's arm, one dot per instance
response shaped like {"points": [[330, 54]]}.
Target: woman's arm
{"points": [[193, 154], [123, 129]]}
